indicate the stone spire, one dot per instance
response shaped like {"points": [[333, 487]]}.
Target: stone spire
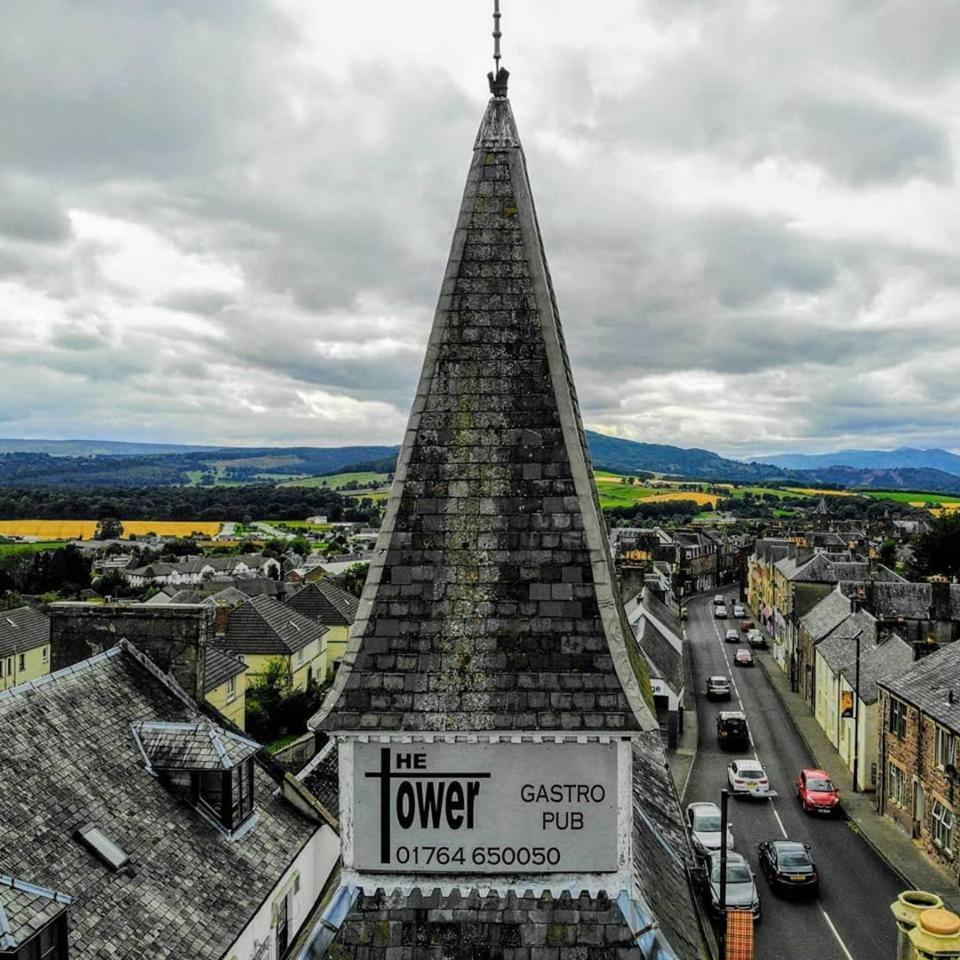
{"points": [[492, 603]]}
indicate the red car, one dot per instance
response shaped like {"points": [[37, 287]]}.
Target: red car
{"points": [[817, 792], [746, 625]]}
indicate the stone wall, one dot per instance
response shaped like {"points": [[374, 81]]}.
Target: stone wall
{"points": [[173, 636]]}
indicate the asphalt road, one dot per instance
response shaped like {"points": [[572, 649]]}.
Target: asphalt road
{"points": [[851, 919]]}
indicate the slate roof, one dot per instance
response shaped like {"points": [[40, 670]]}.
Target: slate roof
{"points": [[218, 667], [828, 614], [888, 658], [264, 625], [21, 629], [821, 568], [839, 648], [197, 745], [665, 659], [930, 684], [322, 777], [325, 601], [24, 909], [662, 612], [912, 601], [68, 757], [492, 601]]}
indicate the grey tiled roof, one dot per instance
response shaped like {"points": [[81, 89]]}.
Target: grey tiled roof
{"points": [[492, 602], [666, 660], [22, 629], [821, 568], [662, 612], [831, 611], [322, 777], [197, 745], [25, 908], [218, 667], [264, 625], [325, 601], [888, 658], [932, 684], [912, 601], [69, 758], [839, 648]]}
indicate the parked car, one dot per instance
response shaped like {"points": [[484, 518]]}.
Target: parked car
{"points": [[743, 657], [757, 640], [739, 612], [747, 625], [789, 868], [720, 612], [718, 599], [731, 636], [732, 730], [718, 688], [747, 778], [703, 822], [741, 892], [817, 793]]}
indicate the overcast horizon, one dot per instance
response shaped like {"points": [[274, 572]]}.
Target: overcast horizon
{"points": [[228, 225]]}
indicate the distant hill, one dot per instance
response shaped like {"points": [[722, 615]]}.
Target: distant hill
{"points": [[94, 448], [213, 465], [613, 453], [934, 459]]}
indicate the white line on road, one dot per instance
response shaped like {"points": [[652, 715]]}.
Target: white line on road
{"points": [[783, 829], [836, 933]]}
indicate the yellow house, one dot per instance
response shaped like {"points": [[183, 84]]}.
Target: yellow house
{"points": [[326, 602], [225, 684], [263, 629], [24, 646]]}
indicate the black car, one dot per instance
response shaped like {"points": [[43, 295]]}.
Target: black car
{"points": [[732, 733], [789, 868]]}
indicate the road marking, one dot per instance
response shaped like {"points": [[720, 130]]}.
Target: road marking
{"points": [[783, 829], [836, 933]]}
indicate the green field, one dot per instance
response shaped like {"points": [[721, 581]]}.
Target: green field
{"points": [[11, 549], [736, 492], [336, 481], [910, 496]]}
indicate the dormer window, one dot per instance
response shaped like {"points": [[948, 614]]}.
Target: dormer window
{"points": [[210, 766]]}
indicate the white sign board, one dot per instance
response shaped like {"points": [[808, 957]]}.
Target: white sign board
{"points": [[489, 808]]}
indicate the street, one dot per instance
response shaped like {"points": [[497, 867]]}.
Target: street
{"points": [[851, 919]]}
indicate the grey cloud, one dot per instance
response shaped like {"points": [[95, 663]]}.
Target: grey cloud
{"points": [[29, 212]]}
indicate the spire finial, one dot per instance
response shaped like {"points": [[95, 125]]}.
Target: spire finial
{"points": [[498, 78]]}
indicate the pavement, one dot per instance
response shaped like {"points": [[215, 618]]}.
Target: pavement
{"points": [[682, 758], [898, 850]]}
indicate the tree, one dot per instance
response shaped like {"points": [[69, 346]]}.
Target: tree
{"points": [[110, 528], [353, 578], [888, 553], [938, 550]]}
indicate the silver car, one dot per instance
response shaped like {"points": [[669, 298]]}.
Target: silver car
{"points": [[703, 821], [741, 892]]}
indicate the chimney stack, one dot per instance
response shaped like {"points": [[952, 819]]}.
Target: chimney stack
{"points": [[906, 910]]}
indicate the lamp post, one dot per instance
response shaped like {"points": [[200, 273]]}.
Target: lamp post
{"points": [[722, 938], [855, 712]]}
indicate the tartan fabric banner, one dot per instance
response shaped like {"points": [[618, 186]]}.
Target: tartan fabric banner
{"points": [[739, 935]]}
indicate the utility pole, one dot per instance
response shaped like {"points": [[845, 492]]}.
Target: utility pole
{"points": [[722, 937], [856, 714]]}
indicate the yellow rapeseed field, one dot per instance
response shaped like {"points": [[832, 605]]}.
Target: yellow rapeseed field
{"points": [[696, 496], [49, 529], [810, 491], [171, 528], [87, 529]]}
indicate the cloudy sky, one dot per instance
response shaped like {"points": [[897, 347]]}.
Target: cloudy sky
{"points": [[225, 221]]}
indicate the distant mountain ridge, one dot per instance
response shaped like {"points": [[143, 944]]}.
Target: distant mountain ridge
{"points": [[902, 457], [141, 465]]}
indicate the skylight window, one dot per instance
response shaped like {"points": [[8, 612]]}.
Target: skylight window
{"points": [[102, 846]]}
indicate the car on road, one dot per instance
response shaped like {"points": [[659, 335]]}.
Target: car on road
{"points": [[703, 822], [732, 730], [739, 612], [731, 636], [718, 599], [757, 640], [748, 778], [720, 612], [817, 793], [743, 657], [718, 688], [741, 892], [747, 625], [789, 868]]}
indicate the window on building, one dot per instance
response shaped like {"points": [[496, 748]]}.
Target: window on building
{"points": [[898, 717], [46, 654], [22, 662], [943, 827], [49, 943], [227, 794], [299, 657], [282, 908], [231, 689], [897, 786], [946, 749]]}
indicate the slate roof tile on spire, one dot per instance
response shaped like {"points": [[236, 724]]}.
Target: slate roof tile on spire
{"points": [[492, 602]]}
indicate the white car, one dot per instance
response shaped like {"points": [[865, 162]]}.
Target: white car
{"points": [[748, 778], [703, 820], [720, 612], [717, 600], [739, 612]]}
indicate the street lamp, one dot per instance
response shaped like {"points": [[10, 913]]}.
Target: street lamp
{"points": [[724, 801], [855, 711]]}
